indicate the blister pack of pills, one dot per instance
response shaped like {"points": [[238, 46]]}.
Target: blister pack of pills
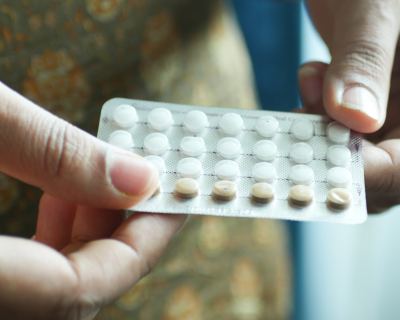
{"points": [[242, 163]]}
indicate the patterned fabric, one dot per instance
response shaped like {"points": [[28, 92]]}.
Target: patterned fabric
{"points": [[70, 56]]}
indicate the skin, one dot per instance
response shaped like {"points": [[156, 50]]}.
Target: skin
{"points": [[365, 52], [86, 253]]}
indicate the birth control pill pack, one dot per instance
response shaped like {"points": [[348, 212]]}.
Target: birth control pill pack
{"points": [[242, 163]]}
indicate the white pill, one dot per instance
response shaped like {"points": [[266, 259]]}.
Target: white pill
{"points": [[338, 156], [339, 177], [190, 168], [338, 133], [301, 152], [195, 121], [122, 139], [226, 170], [265, 150], [160, 119], [125, 116], [192, 146], [267, 126], [156, 143], [264, 172], [231, 124], [229, 148], [301, 175], [302, 129], [158, 162]]}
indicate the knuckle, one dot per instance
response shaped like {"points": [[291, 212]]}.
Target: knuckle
{"points": [[367, 58], [74, 304], [68, 304], [72, 310], [64, 150]]}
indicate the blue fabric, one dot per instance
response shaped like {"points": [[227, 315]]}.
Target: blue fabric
{"points": [[272, 33]]}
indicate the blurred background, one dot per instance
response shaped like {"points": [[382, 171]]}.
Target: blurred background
{"points": [[341, 272]]}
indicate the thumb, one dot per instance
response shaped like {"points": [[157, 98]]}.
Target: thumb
{"points": [[67, 163], [356, 84]]}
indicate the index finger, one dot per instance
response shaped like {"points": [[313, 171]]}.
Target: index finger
{"points": [[66, 162]]}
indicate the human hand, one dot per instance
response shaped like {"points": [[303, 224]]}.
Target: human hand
{"points": [[361, 36], [363, 39], [85, 253]]}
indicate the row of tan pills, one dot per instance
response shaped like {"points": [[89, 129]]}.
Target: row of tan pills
{"points": [[263, 193]]}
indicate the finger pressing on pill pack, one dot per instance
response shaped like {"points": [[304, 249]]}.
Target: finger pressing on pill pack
{"points": [[242, 163]]}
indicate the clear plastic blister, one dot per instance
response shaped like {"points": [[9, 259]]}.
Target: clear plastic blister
{"points": [[244, 147]]}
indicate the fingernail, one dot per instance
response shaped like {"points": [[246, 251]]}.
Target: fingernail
{"points": [[311, 85], [129, 174], [361, 99]]}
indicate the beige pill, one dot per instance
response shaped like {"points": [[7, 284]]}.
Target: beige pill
{"points": [[186, 188], [339, 199], [262, 193], [224, 191], [301, 196], [157, 192]]}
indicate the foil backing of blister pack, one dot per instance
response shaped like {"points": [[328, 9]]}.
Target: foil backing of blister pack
{"points": [[203, 204]]}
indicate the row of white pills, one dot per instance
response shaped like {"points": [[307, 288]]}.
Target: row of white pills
{"points": [[161, 119], [337, 177], [231, 124], [230, 148]]}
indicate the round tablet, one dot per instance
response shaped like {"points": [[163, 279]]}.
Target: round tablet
{"points": [[160, 119], [338, 133], [122, 139], [231, 124], [301, 174], [267, 126], [229, 148], [338, 156], [224, 191], [301, 152], [262, 193], [265, 150], [156, 143], [302, 129], [125, 116], [195, 121], [339, 177], [301, 196], [227, 170], [339, 199], [158, 190], [192, 146], [186, 188], [264, 172], [158, 162], [189, 168]]}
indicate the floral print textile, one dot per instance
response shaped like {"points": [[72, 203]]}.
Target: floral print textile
{"points": [[70, 56]]}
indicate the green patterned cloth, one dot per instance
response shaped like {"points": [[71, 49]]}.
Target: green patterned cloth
{"points": [[70, 56]]}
